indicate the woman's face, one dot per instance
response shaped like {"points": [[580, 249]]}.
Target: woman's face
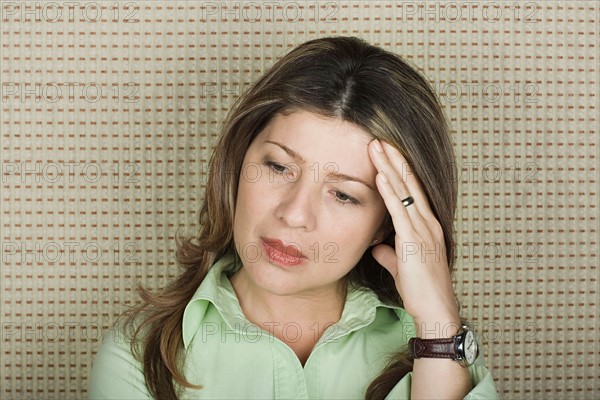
{"points": [[287, 193]]}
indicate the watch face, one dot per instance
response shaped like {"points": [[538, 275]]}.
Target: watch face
{"points": [[470, 347]]}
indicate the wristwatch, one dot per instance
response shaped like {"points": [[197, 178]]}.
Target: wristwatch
{"points": [[461, 348]]}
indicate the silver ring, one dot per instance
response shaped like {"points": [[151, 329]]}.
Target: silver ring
{"points": [[408, 201]]}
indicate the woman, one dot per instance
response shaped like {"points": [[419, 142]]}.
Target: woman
{"points": [[320, 253]]}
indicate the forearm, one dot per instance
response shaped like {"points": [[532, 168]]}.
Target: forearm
{"points": [[439, 378]]}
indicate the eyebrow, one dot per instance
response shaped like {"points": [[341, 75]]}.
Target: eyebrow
{"points": [[336, 175], [290, 152]]}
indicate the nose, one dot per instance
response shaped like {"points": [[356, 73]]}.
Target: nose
{"points": [[298, 206]]}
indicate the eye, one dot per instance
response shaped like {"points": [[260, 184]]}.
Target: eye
{"points": [[277, 168], [289, 174], [344, 199]]}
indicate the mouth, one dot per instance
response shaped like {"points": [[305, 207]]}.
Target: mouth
{"points": [[282, 254]]}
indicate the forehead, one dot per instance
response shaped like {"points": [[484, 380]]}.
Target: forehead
{"points": [[319, 134]]}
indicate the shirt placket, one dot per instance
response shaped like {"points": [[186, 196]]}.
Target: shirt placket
{"points": [[289, 381]]}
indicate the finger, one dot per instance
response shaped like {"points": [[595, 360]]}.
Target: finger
{"points": [[410, 179], [398, 187], [383, 165], [386, 256], [401, 219]]}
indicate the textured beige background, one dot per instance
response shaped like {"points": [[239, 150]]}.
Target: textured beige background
{"points": [[110, 111]]}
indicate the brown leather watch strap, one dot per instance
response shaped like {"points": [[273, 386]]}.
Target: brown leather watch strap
{"points": [[432, 348]]}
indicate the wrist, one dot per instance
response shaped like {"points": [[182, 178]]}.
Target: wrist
{"points": [[462, 347], [437, 328]]}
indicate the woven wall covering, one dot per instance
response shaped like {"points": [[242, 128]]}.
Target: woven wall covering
{"points": [[110, 111]]}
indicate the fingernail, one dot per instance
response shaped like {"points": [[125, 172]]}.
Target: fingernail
{"points": [[377, 146], [383, 177]]}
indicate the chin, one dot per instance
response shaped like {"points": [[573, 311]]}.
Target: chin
{"points": [[271, 278]]}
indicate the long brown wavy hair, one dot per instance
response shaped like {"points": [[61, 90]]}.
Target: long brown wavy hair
{"points": [[337, 77]]}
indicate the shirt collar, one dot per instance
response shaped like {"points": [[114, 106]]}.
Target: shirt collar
{"points": [[216, 289], [359, 310]]}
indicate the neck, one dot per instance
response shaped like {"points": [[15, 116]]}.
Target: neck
{"points": [[261, 307]]}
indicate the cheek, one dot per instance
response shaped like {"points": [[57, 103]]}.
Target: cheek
{"points": [[358, 232], [347, 237], [243, 205], [361, 219], [254, 196]]}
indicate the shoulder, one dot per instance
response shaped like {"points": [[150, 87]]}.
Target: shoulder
{"points": [[116, 373]]}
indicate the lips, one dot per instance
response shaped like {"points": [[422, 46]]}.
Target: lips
{"points": [[278, 252]]}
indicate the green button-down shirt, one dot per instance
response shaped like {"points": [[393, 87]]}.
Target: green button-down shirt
{"points": [[234, 359]]}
